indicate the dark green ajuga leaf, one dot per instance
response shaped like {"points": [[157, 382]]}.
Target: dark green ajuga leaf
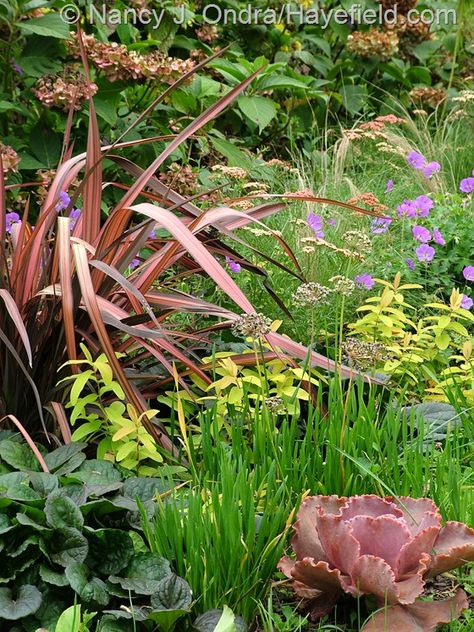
{"points": [[19, 456], [50, 610], [44, 483], [70, 466], [61, 512], [63, 455], [14, 606], [170, 602], [144, 574], [96, 472], [108, 623], [437, 418], [93, 589], [5, 524], [27, 521], [67, 545], [130, 612], [144, 488], [208, 621], [77, 492], [49, 576], [14, 564], [110, 550]]}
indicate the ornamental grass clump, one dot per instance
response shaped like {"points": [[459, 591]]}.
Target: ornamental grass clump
{"points": [[384, 547]]}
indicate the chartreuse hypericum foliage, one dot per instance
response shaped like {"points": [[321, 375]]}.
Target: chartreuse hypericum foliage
{"points": [[97, 400], [419, 349], [385, 547]]}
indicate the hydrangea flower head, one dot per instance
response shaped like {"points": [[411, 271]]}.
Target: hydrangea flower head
{"points": [[233, 265], [466, 302], [380, 225], [420, 233], [467, 185], [425, 253], [315, 222], [431, 168], [416, 160], [364, 280], [468, 273]]}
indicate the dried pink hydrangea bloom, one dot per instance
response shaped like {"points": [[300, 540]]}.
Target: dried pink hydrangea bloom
{"points": [[71, 86], [367, 545]]}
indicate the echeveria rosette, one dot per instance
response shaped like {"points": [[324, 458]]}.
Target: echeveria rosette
{"points": [[376, 546]]}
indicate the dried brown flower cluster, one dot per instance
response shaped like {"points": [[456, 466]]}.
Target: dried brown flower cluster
{"points": [[277, 162], [274, 404], [181, 179], [236, 173], [373, 43], [10, 158], [403, 6], [429, 96], [311, 294], [375, 128], [252, 325], [118, 63], [342, 285], [363, 355], [62, 90], [371, 201], [207, 33]]}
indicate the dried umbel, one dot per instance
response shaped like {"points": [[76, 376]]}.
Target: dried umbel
{"points": [[254, 325], [181, 179], [363, 355], [274, 404], [373, 43], [357, 239], [429, 96], [385, 547], [311, 294], [10, 158], [342, 285], [62, 90]]}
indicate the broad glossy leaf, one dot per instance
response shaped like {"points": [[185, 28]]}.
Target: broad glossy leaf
{"points": [[96, 472], [144, 573], [14, 606], [61, 512], [62, 455], [173, 593], [18, 455], [93, 589], [53, 577]]}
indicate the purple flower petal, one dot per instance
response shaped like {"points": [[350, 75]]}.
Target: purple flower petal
{"points": [[420, 233], [468, 273], [466, 302], [63, 201], [467, 185], [407, 209], [233, 265], [425, 253], [364, 280], [389, 186], [438, 237], [423, 205], [410, 263], [380, 225], [416, 160], [315, 222], [10, 219], [431, 168], [134, 263]]}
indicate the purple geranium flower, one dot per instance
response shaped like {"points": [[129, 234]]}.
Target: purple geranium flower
{"points": [[10, 219], [364, 281], [416, 160], [407, 209], [410, 263], [315, 222], [467, 185], [17, 68], [420, 233], [63, 201], [134, 263], [332, 222], [438, 237], [233, 265], [389, 186], [468, 273], [380, 225], [423, 205], [425, 253], [466, 302], [431, 168]]}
